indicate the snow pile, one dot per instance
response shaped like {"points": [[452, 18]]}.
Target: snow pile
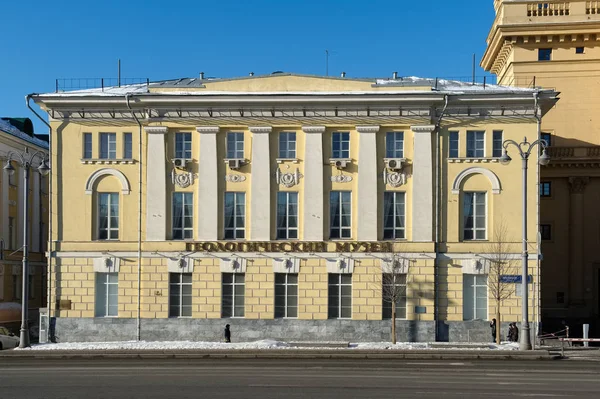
{"points": [[5, 126]]}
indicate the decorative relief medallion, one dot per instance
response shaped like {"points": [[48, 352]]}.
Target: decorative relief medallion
{"points": [[235, 178], [341, 179], [394, 179], [288, 179], [183, 180]]}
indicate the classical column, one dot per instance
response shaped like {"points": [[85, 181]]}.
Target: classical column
{"points": [[34, 239], [260, 185], [367, 183], [156, 185], [20, 213], [208, 185], [422, 171], [576, 236], [313, 183]]}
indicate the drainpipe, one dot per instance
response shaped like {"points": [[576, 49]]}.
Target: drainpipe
{"points": [[438, 186], [139, 249], [50, 249], [537, 284]]}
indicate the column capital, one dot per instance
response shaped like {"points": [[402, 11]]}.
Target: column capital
{"points": [[207, 129], [260, 129], [367, 129], [156, 129], [577, 184], [423, 128], [313, 129]]}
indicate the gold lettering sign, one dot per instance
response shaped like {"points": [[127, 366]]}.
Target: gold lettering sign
{"points": [[289, 246]]}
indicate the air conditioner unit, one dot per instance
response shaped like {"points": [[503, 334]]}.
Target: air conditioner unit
{"points": [[340, 163], [235, 163], [180, 163], [394, 163]]}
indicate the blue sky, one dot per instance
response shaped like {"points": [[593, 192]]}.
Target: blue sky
{"points": [[44, 40]]}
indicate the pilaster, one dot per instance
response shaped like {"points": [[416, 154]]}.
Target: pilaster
{"points": [[576, 238], [260, 185], [313, 183], [156, 185], [422, 201], [208, 185], [367, 183]]}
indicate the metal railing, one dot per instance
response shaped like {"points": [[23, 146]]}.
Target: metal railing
{"points": [[70, 84]]}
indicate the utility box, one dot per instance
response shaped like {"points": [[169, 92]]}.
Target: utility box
{"points": [[44, 325]]}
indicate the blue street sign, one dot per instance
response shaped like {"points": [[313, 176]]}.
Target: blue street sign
{"points": [[514, 278]]}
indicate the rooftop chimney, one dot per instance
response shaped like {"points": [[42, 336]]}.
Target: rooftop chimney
{"points": [[251, 73], [343, 74], [201, 75], [395, 75]]}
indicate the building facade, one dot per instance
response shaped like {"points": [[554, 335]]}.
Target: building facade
{"points": [[555, 45], [16, 135], [278, 202]]}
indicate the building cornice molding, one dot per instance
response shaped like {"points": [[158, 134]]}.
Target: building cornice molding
{"points": [[367, 129], [313, 129], [423, 128], [260, 129], [208, 129], [156, 129]]}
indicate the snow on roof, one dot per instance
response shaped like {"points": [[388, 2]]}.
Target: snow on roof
{"points": [[5, 126], [446, 85]]}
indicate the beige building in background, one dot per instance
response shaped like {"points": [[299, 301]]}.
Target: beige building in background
{"points": [[555, 44], [275, 203]]}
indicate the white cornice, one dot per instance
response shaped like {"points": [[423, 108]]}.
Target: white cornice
{"points": [[367, 129], [423, 129], [313, 129], [260, 129], [207, 129], [156, 129]]}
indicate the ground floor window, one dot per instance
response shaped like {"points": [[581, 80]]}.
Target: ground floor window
{"points": [[394, 288], [475, 297], [107, 294], [340, 296], [286, 295], [233, 292], [180, 294]]}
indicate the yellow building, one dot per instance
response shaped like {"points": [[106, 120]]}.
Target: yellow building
{"points": [[554, 44], [16, 135], [276, 202]]}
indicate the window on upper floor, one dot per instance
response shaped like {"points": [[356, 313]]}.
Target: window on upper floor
{"points": [[545, 189], [287, 216], [108, 216], [108, 145], [235, 216], [453, 145], [340, 214], [546, 232], [475, 144], [127, 146], [235, 145], [287, 145], [183, 216], [233, 292], [17, 286], [394, 145], [474, 216], [544, 54], [286, 295], [183, 145], [547, 137], [12, 177], [497, 144], [340, 296], [340, 145], [180, 294], [87, 146], [107, 294], [394, 215], [579, 50]]}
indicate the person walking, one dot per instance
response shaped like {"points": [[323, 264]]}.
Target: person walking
{"points": [[493, 327], [515, 333], [227, 334]]}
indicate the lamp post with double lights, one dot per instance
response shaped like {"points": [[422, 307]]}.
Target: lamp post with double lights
{"points": [[26, 159], [525, 149]]}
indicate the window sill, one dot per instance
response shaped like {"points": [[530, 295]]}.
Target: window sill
{"points": [[292, 160], [473, 160], [107, 161], [477, 240]]}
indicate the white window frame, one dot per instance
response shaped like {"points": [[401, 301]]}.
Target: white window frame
{"points": [[341, 153], [396, 150], [233, 285], [287, 145], [395, 229], [237, 197], [338, 284], [478, 137], [238, 143], [127, 146], [103, 284], [87, 146], [109, 228], [386, 281], [286, 296], [474, 229], [110, 141], [340, 225], [470, 284], [187, 233], [450, 135], [181, 296], [183, 145], [288, 216]]}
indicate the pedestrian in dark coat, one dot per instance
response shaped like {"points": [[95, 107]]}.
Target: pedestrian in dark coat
{"points": [[227, 334], [515, 333], [493, 327]]}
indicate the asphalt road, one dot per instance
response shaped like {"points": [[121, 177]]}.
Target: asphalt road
{"points": [[295, 378]]}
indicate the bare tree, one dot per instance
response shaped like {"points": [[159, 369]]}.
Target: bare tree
{"points": [[501, 263]]}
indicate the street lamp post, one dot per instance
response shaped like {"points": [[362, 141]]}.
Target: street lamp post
{"points": [[25, 159], [525, 149]]}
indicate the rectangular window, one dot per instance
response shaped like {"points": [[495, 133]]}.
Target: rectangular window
{"points": [[286, 295], [394, 288], [547, 137], [546, 232], [340, 296], [474, 216], [497, 144], [180, 294], [394, 145], [183, 145], [475, 144], [545, 189], [579, 50], [340, 145], [394, 218], [235, 216], [108, 216], [544, 54], [475, 297], [287, 216], [235, 145], [17, 287], [340, 214], [287, 145], [127, 146], [87, 146], [233, 292], [453, 145], [107, 294], [183, 216], [108, 145]]}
